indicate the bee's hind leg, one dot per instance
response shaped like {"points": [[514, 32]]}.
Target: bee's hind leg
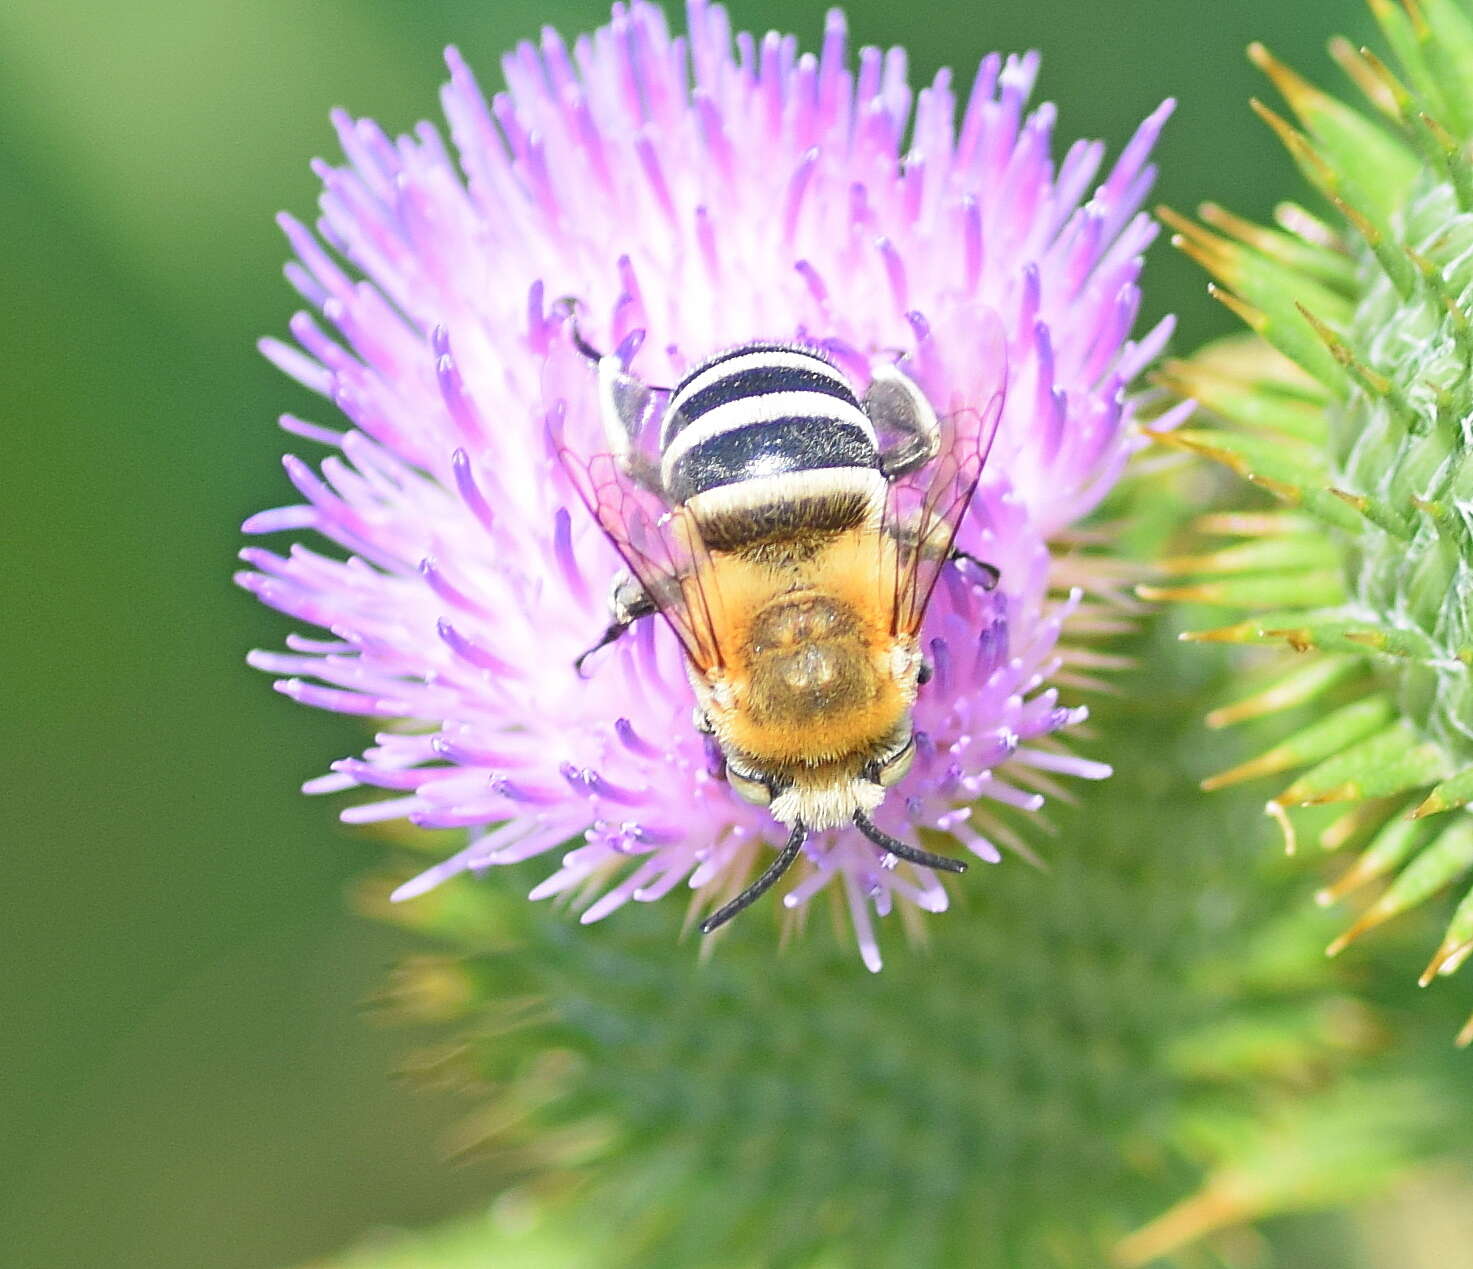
{"points": [[628, 603]]}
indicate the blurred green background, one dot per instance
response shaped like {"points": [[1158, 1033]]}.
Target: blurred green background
{"points": [[189, 1075]]}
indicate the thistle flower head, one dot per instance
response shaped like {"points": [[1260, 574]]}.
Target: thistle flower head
{"points": [[1370, 573], [688, 193]]}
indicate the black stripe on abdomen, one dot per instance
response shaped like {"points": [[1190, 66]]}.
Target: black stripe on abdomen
{"points": [[783, 445], [745, 350], [754, 382]]}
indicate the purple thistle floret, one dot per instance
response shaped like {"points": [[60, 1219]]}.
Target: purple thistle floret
{"points": [[691, 193]]}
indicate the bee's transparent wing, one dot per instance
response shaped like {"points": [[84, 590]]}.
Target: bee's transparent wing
{"points": [[925, 507], [660, 544]]}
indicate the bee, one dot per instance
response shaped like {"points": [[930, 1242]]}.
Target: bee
{"points": [[790, 529]]}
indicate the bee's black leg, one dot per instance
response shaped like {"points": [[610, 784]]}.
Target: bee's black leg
{"points": [[763, 884], [610, 635], [570, 304], [990, 575], [628, 603], [923, 675]]}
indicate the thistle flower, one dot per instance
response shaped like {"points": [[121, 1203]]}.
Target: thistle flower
{"points": [[1359, 422], [690, 193]]}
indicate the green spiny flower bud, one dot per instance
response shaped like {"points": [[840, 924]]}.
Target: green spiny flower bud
{"points": [[1033, 1087], [1352, 406]]}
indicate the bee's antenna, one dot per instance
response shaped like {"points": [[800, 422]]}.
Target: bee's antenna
{"points": [[901, 851], [763, 884]]}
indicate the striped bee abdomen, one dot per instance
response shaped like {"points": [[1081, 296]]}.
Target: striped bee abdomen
{"points": [[761, 412]]}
